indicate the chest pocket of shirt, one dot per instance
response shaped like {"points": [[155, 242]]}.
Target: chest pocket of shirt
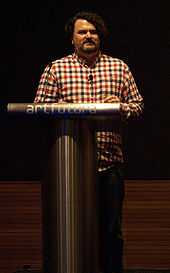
{"points": [[108, 89]]}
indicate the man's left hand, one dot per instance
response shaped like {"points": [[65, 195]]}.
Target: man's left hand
{"points": [[111, 99]]}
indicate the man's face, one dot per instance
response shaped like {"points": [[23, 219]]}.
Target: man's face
{"points": [[85, 38]]}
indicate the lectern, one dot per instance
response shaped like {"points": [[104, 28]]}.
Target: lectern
{"points": [[69, 184]]}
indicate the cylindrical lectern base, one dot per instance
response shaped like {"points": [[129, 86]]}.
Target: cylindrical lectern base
{"points": [[70, 217]]}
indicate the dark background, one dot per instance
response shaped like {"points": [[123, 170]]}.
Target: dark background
{"points": [[32, 35]]}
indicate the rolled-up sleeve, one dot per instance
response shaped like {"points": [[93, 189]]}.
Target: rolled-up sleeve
{"points": [[132, 104]]}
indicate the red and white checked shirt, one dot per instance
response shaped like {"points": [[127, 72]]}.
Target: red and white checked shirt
{"points": [[70, 79]]}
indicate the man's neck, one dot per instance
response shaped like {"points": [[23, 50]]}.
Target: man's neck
{"points": [[89, 59]]}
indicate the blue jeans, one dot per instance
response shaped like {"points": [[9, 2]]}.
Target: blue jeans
{"points": [[110, 188]]}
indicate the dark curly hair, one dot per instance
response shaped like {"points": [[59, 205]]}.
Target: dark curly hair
{"points": [[94, 19]]}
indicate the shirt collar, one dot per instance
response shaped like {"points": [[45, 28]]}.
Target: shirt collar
{"points": [[83, 61]]}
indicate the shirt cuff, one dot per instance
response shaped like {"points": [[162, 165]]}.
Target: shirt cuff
{"points": [[125, 110]]}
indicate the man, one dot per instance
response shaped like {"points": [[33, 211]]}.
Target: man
{"points": [[90, 76]]}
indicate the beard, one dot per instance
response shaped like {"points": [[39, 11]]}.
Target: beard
{"points": [[89, 47]]}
